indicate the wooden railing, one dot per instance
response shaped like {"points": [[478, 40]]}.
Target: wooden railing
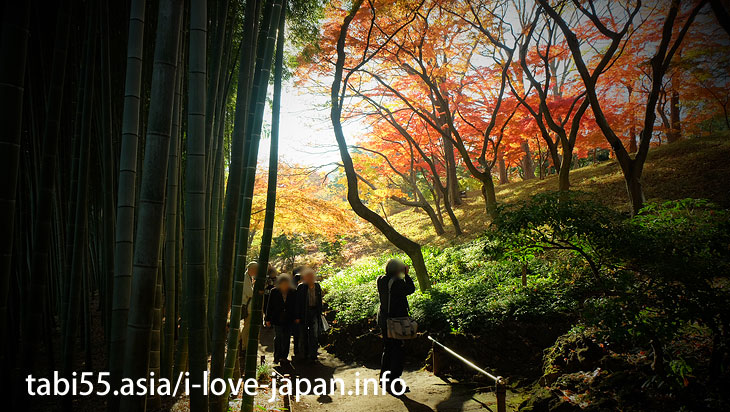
{"points": [[500, 388]]}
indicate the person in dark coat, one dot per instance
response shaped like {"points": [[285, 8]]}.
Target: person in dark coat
{"points": [[271, 274], [280, 313], [393, 289], [309, 314]]}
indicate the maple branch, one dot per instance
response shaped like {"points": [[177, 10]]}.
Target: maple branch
{"points": [[590, 79], [388, 116]]}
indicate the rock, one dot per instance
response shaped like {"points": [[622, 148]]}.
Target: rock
{"points": [[548, 378], [537, 401], [572, 352], [612, 363], [563, 406], [603, 404]]}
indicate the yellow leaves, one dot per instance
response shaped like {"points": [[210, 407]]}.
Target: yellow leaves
{"points": [[304, 203]]}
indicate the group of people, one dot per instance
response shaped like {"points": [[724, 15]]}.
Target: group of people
{"points": [[293, 307]]}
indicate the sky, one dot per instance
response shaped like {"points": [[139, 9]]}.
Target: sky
{"points": [[305, 136]]}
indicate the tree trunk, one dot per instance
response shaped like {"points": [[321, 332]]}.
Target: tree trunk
{"points": [[452, 181], [436, 193], [555, 157], [452, 217], [426, 207], [154, 402], [720, 9], [109, 171], [502, 169], [528, 164], [676, 128], [181, 348], [636, 192], [564, 174], [490, 197], [411, 248], [438, 226], [632, 140]]}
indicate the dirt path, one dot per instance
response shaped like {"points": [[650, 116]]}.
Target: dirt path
{"points": [[428, 392]]}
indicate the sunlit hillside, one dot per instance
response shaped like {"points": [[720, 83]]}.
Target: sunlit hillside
{"points": [[671, 172]]}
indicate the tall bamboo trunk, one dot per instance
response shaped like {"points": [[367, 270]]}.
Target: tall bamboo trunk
{"points": [[195, 206], [254, 119], [13, 50], [79, 233], [243, 103], [171, 233], [126, 196], [151, 202], [214, 148], [109, 172], [257, 314], [154, 402], [43, 230], [231, 216], [181, 347]]}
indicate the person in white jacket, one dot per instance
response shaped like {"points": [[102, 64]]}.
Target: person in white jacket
{"points": [[248, 281]]}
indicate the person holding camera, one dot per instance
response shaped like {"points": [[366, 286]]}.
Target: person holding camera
{"points": [[393, 289]]}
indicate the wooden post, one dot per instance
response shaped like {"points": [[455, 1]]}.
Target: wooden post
{"points": [[524, 274], [435, 364], [501, 392], [285, 398]]}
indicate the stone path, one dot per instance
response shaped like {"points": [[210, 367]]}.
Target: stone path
{"points": [[428, 392]]}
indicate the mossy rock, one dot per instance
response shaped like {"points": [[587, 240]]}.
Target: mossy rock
{"points": [[572, 352], [537, 401]]}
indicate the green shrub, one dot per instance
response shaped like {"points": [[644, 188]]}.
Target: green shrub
{"points": [[353, 304], [470, 294], [639, 280], [363, 271], [655, 274]]}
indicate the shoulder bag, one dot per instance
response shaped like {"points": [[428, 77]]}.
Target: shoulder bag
{"points": [[401, 327]]}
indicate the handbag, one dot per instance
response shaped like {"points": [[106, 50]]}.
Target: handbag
{"points": [[403, 327]]}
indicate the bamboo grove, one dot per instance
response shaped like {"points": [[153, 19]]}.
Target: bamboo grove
{"points": [[129, 153]]}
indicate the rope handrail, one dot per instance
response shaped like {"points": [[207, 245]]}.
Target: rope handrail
{"points": [[466, 361], [500, 387]]}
